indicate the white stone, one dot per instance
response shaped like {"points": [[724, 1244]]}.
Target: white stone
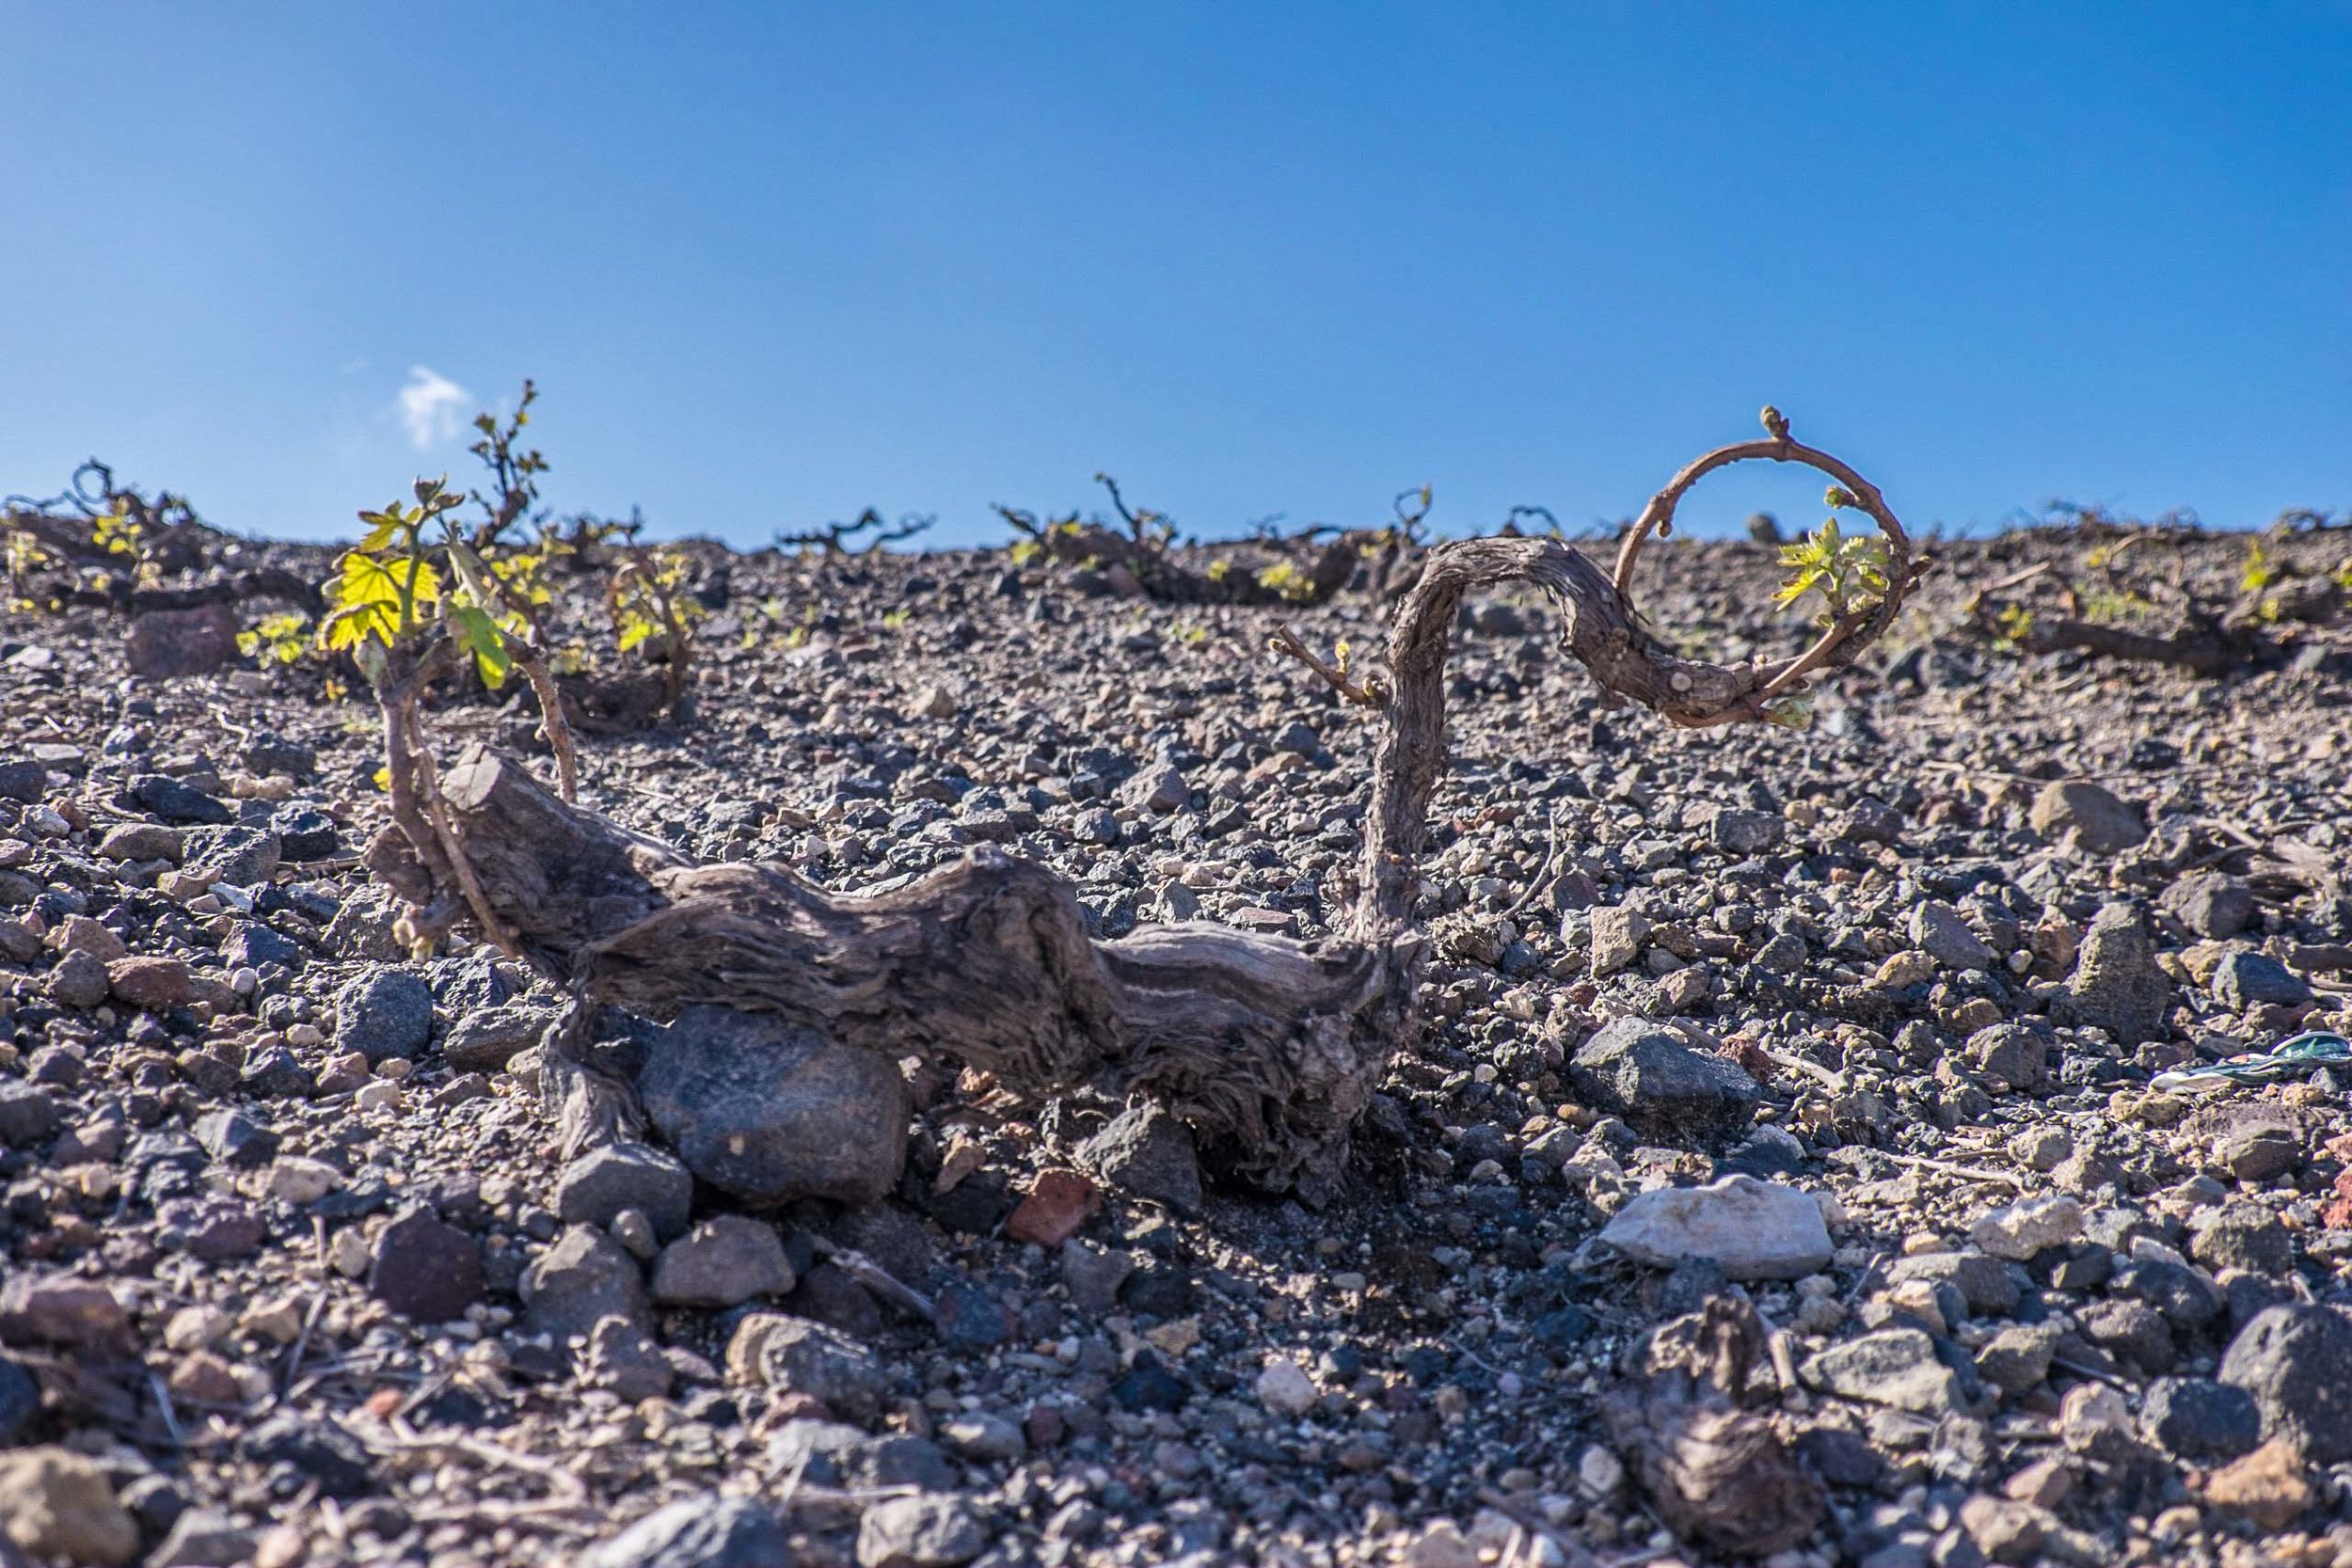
{"points": [[2019, 1230], [297, 1181], [1285, 1388], [1755, 1229]]}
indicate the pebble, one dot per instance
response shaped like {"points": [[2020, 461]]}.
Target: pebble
{"points": [[2023, 1229], [56, 1505], [1634, 1069], [710, 1531], [382, 1013], [924, 1532], [1752, 1230], [1284, 1387], [597, 1185], [1146, 1152], [724, 1262]]}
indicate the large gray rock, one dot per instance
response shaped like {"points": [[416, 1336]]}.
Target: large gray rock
{"points": [[1753, 1230], [2117, 985], [2296, 1361], [1147, 1152], [1939, 930], [168, 644], [236, 854], [2243, 979], [2100, 823], [702, 1533], [1635, 1070], [768, 1112]]}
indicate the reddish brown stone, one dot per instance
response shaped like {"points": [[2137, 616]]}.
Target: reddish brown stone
{"points": [[1057, 1207], [166, 644], [156, 985]]}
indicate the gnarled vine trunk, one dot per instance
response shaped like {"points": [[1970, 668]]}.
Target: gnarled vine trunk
{"points": [[1267, 1048]]}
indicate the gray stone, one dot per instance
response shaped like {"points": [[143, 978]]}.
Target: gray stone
{"points": [[767, 1112], [724, 1262], [426, 1269], [1735, 831], [383, 1013], [56, 1505], [794, 1355], [583, 1278], [2101, 824], [487, 1039], [1753, 1229], [305, 832], [979, 1435], [1160, 788], [175, 801], [1983, 1281], [2010, 1054], [1634, 1069], [2244, 979], [2117, 985], [237, 855], [27, 1116], [1939, 930], [624, 1359], [1896, 1367], [1146, 1152], [596, 1187], [204, 1538], [923, 1531], [2213, 904], [23, 780], [1092, 1276], [2198, 1419], [2245, 1236], [79, 980], [2296, 1362], [710, 1531], [2017, 1358]]}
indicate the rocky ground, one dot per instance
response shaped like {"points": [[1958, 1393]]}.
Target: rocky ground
{"points": [[1840, 1041]]}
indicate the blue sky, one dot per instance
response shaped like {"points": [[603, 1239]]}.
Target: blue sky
{"points": [[772, 263]]}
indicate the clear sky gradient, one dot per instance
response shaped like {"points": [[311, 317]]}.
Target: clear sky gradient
{"points": [[772, 263]]}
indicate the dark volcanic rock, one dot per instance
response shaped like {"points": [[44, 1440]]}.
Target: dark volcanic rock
{"points": [[1649, 1077]]}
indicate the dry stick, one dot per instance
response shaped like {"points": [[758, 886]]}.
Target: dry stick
{"points": [[1363, 694], [551, 722], [1269, 1050], [445, 832]]}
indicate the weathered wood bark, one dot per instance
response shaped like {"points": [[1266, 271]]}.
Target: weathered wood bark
{"points": [[1268, 1048]]}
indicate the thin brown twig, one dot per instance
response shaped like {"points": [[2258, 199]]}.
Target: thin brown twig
{"points": [[1362, 693]]}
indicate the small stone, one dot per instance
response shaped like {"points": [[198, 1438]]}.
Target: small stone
{"points": [[596, 1187], [173, 644], [1938, 930], [1059, 1204], [2197, 1418], [204, 1538], [235, 1139], [766, 1111], [1739, 831], [155, 985], [241, 856], [623, 1358], [319, 1449], [383, 1013], [724, 1262], [2004, 1530], [2268, 1487], [305, 832], [139, 841], [2296, 1362], [2259, 1153], [1159, 789], [922, 1531], [27, 1116], [2213, 904], [56, 1505], [989, 1439], [23, 780], [1753, 1229], [2101, 824], [1284, 1387], [2118, 985], [177, 801], [2245, 1236], [1635, 1070], [2023, 1230], [61, 1311], [1092, 1276], [425, 1268], [583, 1278], [2017, 1358], [793, 1356], [487, 1039], [1896, 1367], [1617, 935], [2248, 979], [710, 1531], [2010, 1054], [1147, 1152], [79, 980]]}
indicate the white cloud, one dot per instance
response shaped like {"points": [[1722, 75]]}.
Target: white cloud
{"points": [[432, 407]]}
